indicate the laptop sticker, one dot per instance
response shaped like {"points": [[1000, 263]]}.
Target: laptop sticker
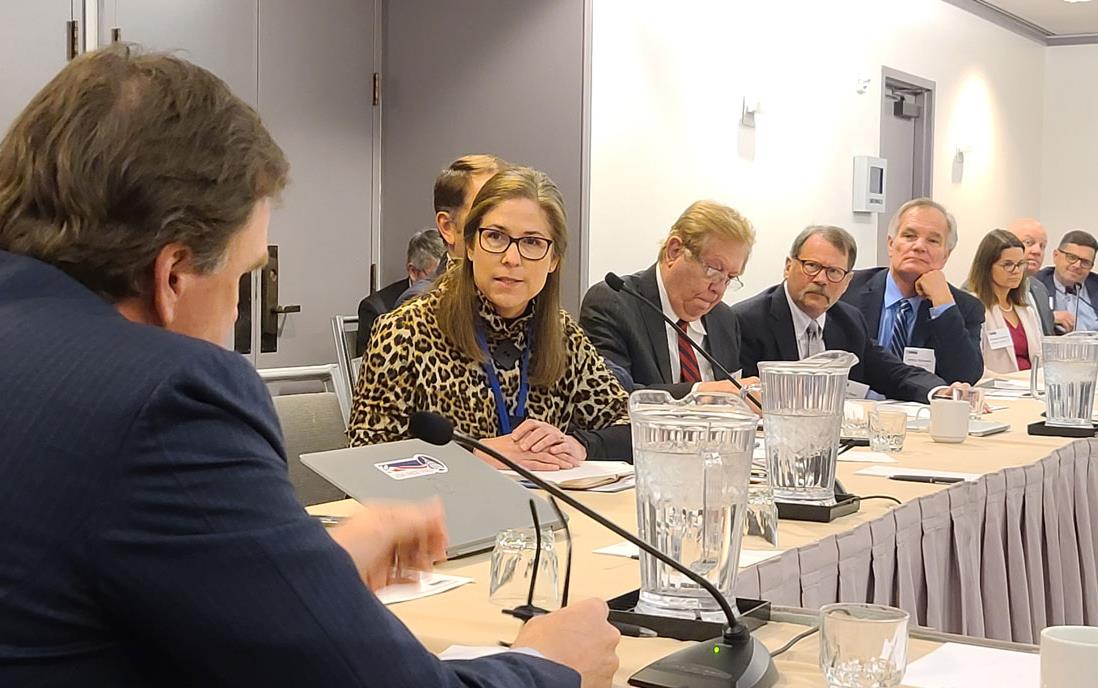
{"points": [[414, 467]]}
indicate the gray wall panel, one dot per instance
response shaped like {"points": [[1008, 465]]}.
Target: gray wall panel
{"points": [[479, 76]]}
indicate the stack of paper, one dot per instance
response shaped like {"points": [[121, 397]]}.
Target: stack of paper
{"points": [[954, 665], [586, 476], [427, 585]]}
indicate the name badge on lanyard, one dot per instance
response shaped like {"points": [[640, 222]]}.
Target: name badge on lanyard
{"points": [[507, 421]]}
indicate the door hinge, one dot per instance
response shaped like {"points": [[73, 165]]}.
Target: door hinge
{"points": [[377, 89]]}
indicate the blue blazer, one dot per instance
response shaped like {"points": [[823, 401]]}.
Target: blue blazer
{"points": [[954, 335], [150, 533]]}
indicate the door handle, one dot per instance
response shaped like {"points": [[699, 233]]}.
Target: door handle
{"points": [[289, 308]]}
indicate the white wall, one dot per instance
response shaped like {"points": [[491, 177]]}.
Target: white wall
{"points": [[668, 80], [1069, 198]]}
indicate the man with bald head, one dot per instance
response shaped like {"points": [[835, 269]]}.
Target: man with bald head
{"points": [[1035, 239]]}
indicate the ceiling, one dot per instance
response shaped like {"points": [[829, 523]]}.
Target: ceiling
{"points": [[1055, 17]]}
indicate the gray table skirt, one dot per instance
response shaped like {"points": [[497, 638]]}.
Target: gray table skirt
{"points": [[1001, 557]]}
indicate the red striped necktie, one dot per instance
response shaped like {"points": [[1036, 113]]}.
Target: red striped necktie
{"points": [[688, 360]]}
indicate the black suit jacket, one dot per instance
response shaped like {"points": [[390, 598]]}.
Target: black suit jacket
{"points": [[151, 535], [381, 301], [1039, 292], [634, 336], [1045, 277], [767, 334], [954, 335]]}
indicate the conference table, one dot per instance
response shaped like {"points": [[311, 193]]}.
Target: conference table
{"points": [[993, 560]]}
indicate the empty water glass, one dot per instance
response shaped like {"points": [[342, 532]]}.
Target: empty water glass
{"points": [[856, 418], [513, 568], [863, 645], [975, 397], [887, 430]]}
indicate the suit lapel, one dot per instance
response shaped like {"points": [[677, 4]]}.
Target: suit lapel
{"points": [[782, 326], [654, 324], [874, 300]]}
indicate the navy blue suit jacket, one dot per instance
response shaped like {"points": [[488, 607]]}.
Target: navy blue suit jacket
{"points": [[150, 533], [1046, 277], [766, 326], [954, 335]]}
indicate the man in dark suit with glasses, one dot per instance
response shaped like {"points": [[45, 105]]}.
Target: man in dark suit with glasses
{"points": [[803, 316], [703, 257], [1072, 285]]}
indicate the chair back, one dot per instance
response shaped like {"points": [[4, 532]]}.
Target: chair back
{"points": [[311, 422], [345, 332]]}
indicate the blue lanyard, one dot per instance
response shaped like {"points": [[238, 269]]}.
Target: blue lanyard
{"points": [[502, 412]]}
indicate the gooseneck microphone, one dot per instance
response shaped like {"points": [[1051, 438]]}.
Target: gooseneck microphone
{"points": [[618, 284], [735, 656]]}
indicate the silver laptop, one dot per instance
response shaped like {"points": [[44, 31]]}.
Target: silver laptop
{"points": [[479, 500]]}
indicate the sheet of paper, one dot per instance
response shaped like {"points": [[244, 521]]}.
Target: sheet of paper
{"points": [[889, 471], [954, 665], [459, 652], [856, 456], [911, 408], [428, 584], [585, 476], [748, 557]]}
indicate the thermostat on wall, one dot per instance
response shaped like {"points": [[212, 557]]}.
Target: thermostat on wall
{"points": [[869, 184]]}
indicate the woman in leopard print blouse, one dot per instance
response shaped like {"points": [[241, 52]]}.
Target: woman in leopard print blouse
{"points": [[496, 315]]}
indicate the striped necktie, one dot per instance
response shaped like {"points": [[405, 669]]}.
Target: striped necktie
{"points": [[688, 360], [900, 329]]}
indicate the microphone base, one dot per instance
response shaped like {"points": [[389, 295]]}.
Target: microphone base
{"points": [[711, 664]]}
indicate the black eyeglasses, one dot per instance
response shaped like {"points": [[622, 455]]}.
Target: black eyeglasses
{"points": [[529, 610], [1012, 267], [495, 240], [812, 268], [1072, 259]]}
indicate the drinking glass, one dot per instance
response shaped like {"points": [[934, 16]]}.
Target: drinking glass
{"points": [[512, 569], [887, 430], [975, 398], [856, 417], [863, 645]]}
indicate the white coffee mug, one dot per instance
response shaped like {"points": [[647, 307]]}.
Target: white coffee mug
{"points": [[948, 420], [1068, 654]]}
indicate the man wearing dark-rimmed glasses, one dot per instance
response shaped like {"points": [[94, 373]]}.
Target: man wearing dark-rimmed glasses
{"points": [[803, 316], [1073, 287]]}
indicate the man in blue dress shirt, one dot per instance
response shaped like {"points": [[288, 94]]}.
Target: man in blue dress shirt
{"points": [[151, 535], [910, 307]]}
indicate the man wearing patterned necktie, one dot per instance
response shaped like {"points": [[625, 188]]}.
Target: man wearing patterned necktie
{"points": [[910, 308], [803, 316], [702, 258]]}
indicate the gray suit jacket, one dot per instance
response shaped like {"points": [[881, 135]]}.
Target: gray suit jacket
{"points": [[630, 334], [1039, 292]]}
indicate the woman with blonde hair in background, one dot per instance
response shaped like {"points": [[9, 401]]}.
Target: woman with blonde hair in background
{"points": [[1011, 332]]}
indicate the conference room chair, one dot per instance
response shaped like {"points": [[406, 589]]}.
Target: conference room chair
{"points": [[344, 331], [312, 421]]}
